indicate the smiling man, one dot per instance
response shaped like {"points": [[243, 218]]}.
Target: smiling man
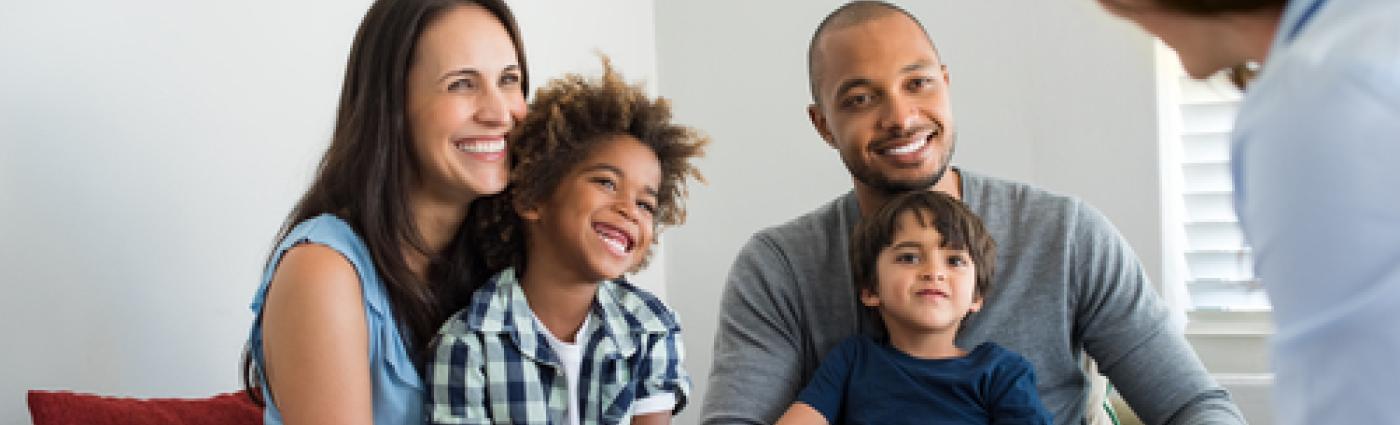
{"points": [[1069, 285]]}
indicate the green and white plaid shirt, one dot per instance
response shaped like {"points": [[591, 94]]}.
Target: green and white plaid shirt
{"points": [[492, 364]]}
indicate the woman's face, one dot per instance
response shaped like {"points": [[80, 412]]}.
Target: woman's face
{"points": [[464, 94], [1196, 39]]}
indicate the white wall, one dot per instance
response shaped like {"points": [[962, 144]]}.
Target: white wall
{"points": [[1054, 93], [149, 151]]}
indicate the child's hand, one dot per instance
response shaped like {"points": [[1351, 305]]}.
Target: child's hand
{"points": [[657, 418], [801, 414]]}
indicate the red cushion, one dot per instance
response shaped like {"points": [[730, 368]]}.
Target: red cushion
{"points": [[68, 408]]}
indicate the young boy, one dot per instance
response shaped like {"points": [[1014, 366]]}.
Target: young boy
{"points": [[923, 261], [557, 336]]}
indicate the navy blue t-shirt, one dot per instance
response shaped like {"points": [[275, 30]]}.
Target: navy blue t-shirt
{"points": [[862, 381]]}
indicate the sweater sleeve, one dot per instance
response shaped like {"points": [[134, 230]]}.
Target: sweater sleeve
{"points": [[1124, 327], [757, 367]]}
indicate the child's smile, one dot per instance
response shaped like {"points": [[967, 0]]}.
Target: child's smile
{"points": [[618, 242], [932, 294], [599, 221]]}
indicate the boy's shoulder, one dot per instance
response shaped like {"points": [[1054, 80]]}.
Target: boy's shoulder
{"points": [[488, 309], [623, 303], [641, 310], [993, 357]]}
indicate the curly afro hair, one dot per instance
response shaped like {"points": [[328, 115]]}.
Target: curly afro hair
{"points": [[568, 118]]}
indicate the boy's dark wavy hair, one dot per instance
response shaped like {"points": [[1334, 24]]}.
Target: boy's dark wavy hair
{"points": [[568, 118], [960, 227]]}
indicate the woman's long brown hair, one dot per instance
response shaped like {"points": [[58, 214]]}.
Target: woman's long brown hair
{"points": [[366, 174]]}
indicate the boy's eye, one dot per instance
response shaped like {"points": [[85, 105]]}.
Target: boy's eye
{"points": [[605, 183], [906, 258], [647, 206], [958, 260]]}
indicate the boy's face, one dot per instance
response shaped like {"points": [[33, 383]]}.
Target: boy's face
{"points": [[598, 223], [922, 287]]}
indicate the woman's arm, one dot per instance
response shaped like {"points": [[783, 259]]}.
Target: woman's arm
{"points": [[315, 341]]}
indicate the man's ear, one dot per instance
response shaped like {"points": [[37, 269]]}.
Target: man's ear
{"points": [[814, 113], [869, 298]]}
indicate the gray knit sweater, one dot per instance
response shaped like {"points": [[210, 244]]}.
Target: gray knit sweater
{"points": [[1066, 283]]}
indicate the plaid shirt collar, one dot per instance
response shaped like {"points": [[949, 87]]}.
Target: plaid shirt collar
{"points": [[500, 307]]}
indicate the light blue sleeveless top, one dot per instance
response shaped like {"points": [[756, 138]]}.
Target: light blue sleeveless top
{"points": [[397, 388]]}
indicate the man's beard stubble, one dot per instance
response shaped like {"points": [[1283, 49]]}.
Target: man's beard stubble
{"points": [[886, 186]]}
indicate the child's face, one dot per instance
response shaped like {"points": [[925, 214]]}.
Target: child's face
{"points": [[598, 223], [921, 286]]}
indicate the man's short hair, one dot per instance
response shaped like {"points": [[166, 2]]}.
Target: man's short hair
{"points": [[851, 14], [960, 227]]}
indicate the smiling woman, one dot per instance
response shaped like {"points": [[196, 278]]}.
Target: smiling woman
{"points": [[179, 164], [374, 256]]}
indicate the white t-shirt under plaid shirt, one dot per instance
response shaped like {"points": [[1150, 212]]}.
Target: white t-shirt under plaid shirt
{"points": [[493, 363], [571, 356]]}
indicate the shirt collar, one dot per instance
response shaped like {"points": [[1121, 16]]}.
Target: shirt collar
{"points": [[619, 310], [1296, 16]]}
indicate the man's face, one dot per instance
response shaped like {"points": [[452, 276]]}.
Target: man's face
{"points": [[883, 104]]}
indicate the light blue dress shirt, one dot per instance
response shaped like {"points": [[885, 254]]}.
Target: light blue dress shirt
{"points": [[1316, 162], [395, 384]]}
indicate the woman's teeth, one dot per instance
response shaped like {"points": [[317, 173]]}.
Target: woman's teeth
{"points": [[493, 146]]}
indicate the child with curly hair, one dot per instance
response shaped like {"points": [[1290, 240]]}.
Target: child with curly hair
{"points": [[558, 336]]}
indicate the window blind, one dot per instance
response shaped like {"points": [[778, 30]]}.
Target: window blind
{"points": [[1219, 273]]}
